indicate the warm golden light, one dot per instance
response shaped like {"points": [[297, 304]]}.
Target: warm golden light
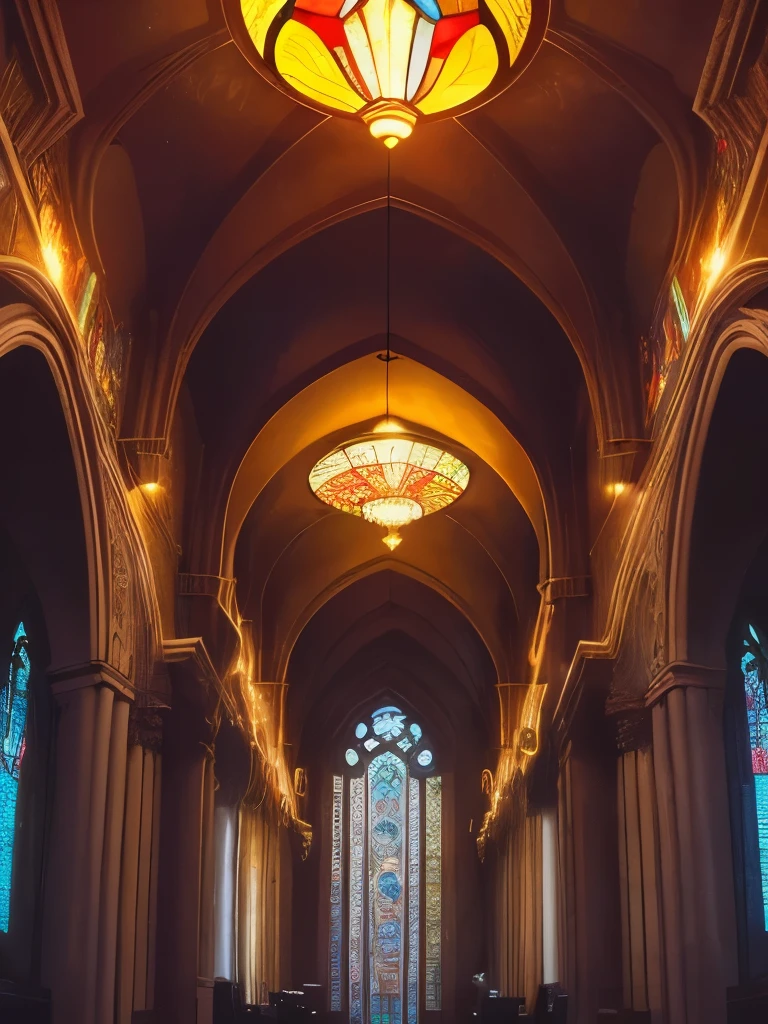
{"points": [[389, 481], [392, 62], [151, 487], [53, 263], [617, 489], [391, 512], [715, 264], [392, 539], [388, 427], [391, 128]]}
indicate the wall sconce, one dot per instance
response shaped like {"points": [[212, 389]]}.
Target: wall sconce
{"points": [[529, 741]]}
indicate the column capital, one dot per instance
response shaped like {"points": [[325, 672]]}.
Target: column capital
{"points": [[632, 721], [145, 728], [92, 673], [683, 674]]}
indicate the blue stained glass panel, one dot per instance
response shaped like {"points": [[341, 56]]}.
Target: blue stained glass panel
{"points": [[13, 725], [387, 799], [414, 867], [356, 858], [336, 889], [753, 667]]}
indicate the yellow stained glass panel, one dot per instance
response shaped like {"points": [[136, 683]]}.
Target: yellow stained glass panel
{"points": [[306, 63], [389, 24], [468, 69], [361, 51], [258, 16], [514, 18]]}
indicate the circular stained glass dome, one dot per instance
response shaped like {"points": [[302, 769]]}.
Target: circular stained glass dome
{"points": [[389, 481], [390, 63]]}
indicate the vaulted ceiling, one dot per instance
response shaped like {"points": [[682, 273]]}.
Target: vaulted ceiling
{"points": [[243, 240]]}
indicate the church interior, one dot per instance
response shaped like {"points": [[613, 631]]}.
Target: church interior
{"points": [[384, 537]]}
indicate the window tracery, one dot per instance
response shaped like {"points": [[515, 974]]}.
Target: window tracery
{"points": [[395, 816], [14, 698], [754, 668]]}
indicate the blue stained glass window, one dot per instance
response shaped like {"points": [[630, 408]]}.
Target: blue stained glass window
{"points": [[13, 725], [753, 666], [391, 945]]}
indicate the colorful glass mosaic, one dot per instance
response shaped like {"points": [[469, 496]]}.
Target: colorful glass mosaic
{"points": [[433, 891], [387, 793], [337, 823], [390, 61], [414, 870], [351, 477], [356, 860], [754, 665], [13, 725], [393, 818]]}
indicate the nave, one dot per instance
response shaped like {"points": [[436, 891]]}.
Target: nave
{"points": [[383, 543]]}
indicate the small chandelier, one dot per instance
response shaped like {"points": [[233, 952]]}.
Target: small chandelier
{"points": [[389, 481], [389, 62]]}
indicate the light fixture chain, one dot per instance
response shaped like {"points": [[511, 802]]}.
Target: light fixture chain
{"points": [[389, 270]]}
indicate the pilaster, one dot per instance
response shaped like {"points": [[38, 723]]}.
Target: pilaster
{"points": [[697, 905]]}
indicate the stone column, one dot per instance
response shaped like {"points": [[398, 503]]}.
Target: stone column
{"points": [[224, 891], [138, 878], [698, 913], [639, 866], [590, 925], [185, 734], [110, 875], [207, 882], [549, 901], [89, 748]]}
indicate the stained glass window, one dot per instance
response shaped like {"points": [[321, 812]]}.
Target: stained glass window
{"points": [[395, 815], [754, 664], [336, 889], [13, 724], [433, 913]]}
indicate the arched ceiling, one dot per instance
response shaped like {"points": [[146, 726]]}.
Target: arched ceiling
{"points": [[244, 237]]}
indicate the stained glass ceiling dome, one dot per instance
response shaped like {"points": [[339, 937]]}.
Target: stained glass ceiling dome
{"points": [[389, 481], [389, 62]]}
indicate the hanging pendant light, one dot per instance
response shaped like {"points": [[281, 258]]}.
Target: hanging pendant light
{"points": [[390, 63], [389, 479]]}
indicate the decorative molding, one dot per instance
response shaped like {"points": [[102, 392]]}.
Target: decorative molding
{"points": [[92, 673], [204, 585], [157, 446], [725, 57], [63, 107], [559, 587], [681, 674], [194, 649]]}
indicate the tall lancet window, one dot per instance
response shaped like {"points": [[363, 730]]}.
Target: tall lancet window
{"points": [[13, 727], [754, 667], [386, 874]]}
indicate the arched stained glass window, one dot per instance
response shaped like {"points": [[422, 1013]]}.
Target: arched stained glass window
{"points": [[13, 726], [754, 668], [391, 853]]}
